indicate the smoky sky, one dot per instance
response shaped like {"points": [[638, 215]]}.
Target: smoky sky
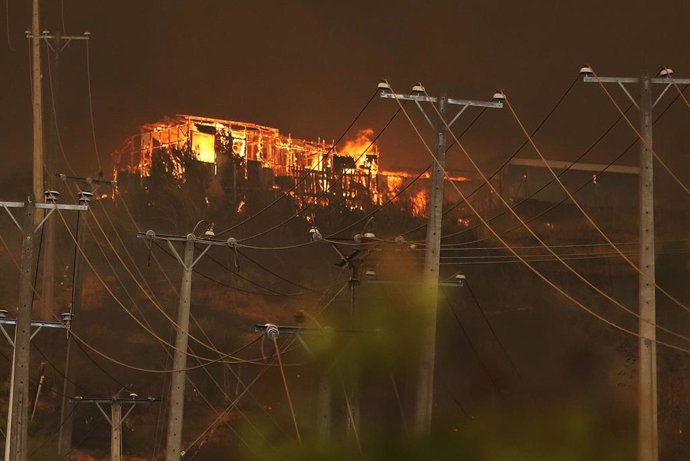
{"points": [[307, 67]]}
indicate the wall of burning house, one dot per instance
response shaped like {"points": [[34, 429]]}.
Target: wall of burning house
{"points": [[249, 157]]}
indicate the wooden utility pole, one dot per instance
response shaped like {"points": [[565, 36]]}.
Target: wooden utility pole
{"points": [[648, 449], [37, 104], [18, 414]]}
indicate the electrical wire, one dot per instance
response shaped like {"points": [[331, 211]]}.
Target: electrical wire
{"points": [[399, 192], [240, 276], [7, 25], [93, 125], [287, 389], [150, 296], [54, 114], [194, 319], [498, 340], [273, 273], [221, 358], [587, 216], [475, 352], [536, 237], [507, 161], [530, 266], [219, 282], [551, 181], [53, 436], [641, 138], [328, 189]]}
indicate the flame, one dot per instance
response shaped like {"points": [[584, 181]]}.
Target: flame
{"points": [[410, 175], [419, 203], [359, 146], [240, 206], [393, 185]]}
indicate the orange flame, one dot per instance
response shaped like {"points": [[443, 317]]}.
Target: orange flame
{"points": [[359, 146], [419, 203]]}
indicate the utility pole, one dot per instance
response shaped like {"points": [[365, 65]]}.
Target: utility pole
{"points": [[427, 361], [37, 102], [116, 418], [178, 377], [14, 431], [42, 162], [17, 441], [18, 413], [353, 262], [647, 439]]}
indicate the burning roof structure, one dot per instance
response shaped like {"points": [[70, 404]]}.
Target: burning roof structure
{"points": [[249, 157]]}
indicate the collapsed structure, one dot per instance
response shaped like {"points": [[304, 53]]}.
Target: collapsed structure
{"points": [[251, 157]]}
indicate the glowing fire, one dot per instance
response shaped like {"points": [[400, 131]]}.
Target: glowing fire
{"points": [[426, 175], [419, 202], [361, 144], [393, 185], [240, 206]]}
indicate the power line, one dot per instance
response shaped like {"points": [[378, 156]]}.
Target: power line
{"points": [[531, 267], [587, 216], [507, 161], [544, 186], [534, 235], [475, 353], [93, 125], [399, 192], [222, 355], [323, 194], [641, 138], [507, 354]]}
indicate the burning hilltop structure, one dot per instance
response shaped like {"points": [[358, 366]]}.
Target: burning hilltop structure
{"points": [[250, 157]]}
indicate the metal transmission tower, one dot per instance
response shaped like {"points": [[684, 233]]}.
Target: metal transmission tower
{"points": [[43, 163], [178, 377], [425, 381], [647, 442], [116, 417], [16, 443]]}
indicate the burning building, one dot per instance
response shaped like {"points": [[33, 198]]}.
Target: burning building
{"points": [[251, 157]]}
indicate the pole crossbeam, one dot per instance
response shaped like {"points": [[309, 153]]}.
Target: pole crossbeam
{"points": [[116, 417]]}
